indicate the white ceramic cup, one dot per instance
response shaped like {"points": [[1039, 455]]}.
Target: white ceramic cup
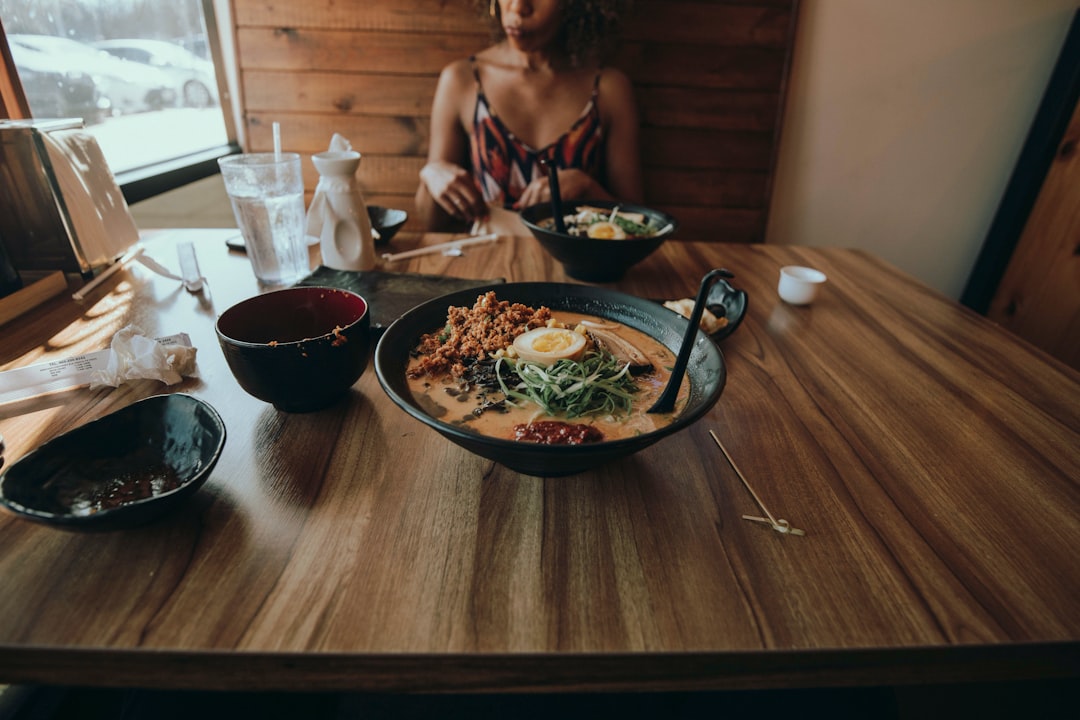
{"points": [[799, 285]]}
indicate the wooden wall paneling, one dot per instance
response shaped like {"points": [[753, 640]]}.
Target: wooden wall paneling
{"points": [[719, 224], [395, 53], [691, 108], [709, 76], [704, 67], [1039, 295], [730, 151], [344, 93], [436, 16], [1027, 274], [710, 23], [370, 134], [725, 22], [684, 186]]}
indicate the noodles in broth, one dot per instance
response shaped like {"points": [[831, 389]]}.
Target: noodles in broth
{"points": [[535, 375]]}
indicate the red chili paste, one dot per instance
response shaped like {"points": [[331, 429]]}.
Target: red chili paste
{"points": [[555, 432]]}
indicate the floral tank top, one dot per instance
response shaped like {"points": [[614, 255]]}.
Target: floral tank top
{"points": [[503, 165]]}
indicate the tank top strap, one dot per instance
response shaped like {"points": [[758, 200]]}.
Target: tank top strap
{"points": [[476, 73]]}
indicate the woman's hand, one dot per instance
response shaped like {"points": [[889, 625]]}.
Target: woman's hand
{"points": [[573, 185], [452, 187]]}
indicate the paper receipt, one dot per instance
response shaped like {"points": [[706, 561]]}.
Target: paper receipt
{"points": [[64, 373]]}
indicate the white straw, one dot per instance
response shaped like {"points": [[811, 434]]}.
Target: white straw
{"points": [[277, 141], [452, 245]]}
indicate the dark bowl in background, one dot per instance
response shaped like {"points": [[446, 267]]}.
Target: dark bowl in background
{"points": [[706, 371], [299, 349], [387, 221], [590, 259], [122, 470]]}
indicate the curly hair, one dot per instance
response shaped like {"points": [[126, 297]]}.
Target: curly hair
{"points": [[589, 29]]}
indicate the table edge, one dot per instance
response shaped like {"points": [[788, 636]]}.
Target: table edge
{"points": [[537, 672]]}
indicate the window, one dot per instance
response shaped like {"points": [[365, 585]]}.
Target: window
{"points": [[140, 73]]}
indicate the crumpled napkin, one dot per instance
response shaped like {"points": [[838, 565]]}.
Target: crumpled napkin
{"points": [[315, 215], [137, 357]]}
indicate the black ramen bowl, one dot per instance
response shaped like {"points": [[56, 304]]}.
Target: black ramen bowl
{"points": [[594, 260], [706, 371], [122, 470], [299, 349], [387, 221]]}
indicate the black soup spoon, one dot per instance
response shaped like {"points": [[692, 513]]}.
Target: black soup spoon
{"points": [[666, 402]]}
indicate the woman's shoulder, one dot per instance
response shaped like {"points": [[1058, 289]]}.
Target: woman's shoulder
{"points": [[616, 93], [612, 80], [456, 91], [458, 73]]}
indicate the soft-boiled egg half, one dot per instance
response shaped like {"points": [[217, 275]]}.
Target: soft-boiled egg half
{"points": [[605, 230], [548, 345]]}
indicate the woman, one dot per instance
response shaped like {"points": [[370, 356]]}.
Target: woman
{"points": [[539, 95]]}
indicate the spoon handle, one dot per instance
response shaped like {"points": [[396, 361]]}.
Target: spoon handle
{"points": [[666, 402]]}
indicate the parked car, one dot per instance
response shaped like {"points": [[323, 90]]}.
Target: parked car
{"points": [[130, 87], [55, 90], [194, 77]]}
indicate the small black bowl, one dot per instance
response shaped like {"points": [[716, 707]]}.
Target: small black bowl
{"points": [[299, 349], [706, 371], [593, 260], [387, 221], [122, 470]]}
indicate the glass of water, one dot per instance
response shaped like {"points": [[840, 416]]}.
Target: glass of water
{"points": [[267, 195]]}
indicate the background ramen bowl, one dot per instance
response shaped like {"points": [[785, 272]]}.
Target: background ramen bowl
{"points": [[122, 470], [706, 371], [300, 349], [594, 260], [387, 221]]}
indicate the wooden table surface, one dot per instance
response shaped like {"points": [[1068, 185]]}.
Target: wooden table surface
{"points": [[932, 459]]}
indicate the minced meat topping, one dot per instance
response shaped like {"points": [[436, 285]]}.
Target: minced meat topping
{"points": [[475, 333]]}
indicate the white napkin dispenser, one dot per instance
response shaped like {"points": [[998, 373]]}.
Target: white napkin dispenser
{"points": [[60, 206]]}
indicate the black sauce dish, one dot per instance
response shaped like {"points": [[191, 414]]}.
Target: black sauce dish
{"points": [[706, 371], [595, 260], [386, 222], [123, 470], [728, 302]]}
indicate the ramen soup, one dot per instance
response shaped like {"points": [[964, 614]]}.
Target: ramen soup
{"points": [[601, 224], [494, 396]]}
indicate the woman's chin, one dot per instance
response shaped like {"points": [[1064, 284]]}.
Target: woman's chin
{"points": [[527, 40]]}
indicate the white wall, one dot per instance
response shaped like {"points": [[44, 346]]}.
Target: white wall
{"points": [[904, 121]]}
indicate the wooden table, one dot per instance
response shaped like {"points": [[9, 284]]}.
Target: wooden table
{"points": [[931, 457]]}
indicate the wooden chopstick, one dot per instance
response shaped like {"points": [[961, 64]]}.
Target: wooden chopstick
{"points": [[779, 525], [452, 244]]}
